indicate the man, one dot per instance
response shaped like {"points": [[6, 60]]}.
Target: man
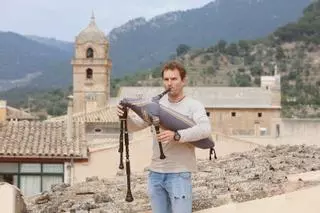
{"points": [[169, 179]]}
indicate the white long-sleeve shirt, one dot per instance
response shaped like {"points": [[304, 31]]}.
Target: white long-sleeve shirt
{"points": [[180, 156]]}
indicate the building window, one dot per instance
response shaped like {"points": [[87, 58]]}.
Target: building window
{"points": [[32, 178], [91, 96], [259, 114], [90, 53], [208, 114], [97, 130], [233, 114], [89, 73]]}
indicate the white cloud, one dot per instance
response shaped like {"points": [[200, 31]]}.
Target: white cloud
{"points": [[63, 19]]}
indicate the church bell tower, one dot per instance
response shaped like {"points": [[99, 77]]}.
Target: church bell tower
{"points": [[91, 70]]}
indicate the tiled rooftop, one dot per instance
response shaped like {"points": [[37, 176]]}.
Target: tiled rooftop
{"points": [[13, 113], [35, 139], [103, 115]]}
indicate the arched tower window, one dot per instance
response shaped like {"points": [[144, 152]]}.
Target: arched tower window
{"points": [[89, 52], [89, 73]]}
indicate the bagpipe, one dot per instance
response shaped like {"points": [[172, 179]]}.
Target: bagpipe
{"points": [[157, 115]]}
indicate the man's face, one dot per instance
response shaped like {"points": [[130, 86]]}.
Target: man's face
{"points": [[172, 80]]}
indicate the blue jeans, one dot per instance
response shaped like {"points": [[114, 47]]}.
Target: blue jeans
{"points": [[170, 192]]}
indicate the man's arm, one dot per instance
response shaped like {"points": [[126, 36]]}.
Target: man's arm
{"points": [[201, 130]]}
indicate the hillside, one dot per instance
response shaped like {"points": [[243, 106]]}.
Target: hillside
{"points": [[242, 64], [52, 42], [141, 44], [307, 29], [294, 48], [23, 60], [238, 63]]}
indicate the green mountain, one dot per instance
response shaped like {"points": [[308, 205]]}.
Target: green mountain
{"points": [[24, 61], [142, 44], [63, 45], [293, 47], [307, 29]]}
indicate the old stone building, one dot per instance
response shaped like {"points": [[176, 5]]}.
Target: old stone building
{"points": [[35, 154], [91, 69]]}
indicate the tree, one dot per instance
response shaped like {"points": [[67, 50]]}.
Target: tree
{"points": [[243, 80], [244, 45], [248, 59], [257, 81], [232, 49], [222, 46], [182, 49], [279, 53], [256, 70]]}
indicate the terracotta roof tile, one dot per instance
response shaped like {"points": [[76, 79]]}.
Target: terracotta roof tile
{"points": [[41, 139], [104, 115], [13, 113]]}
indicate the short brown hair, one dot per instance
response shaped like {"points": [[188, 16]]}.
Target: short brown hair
{"points": [[172, 65]]}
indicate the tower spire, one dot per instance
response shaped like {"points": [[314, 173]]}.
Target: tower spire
{"points": [[92, 18]]}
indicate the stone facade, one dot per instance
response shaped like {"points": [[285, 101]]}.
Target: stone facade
{"points": [[91, 70], [248, 122]]}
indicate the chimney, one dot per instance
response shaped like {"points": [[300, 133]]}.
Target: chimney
{"points": [[70, 119], [3, 110]]}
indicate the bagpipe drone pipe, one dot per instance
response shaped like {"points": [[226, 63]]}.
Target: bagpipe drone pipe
{"points": [[158, 115]]}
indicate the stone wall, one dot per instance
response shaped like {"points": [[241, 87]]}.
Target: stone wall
{"points": [[291, 131], [239, 177], [11, 200], [246, 122]]}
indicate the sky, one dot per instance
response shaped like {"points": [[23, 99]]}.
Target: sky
{"points": [[64, 19]]}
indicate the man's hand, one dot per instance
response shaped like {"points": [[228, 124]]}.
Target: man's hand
{"points": [[120, 110], [166, 136]]}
